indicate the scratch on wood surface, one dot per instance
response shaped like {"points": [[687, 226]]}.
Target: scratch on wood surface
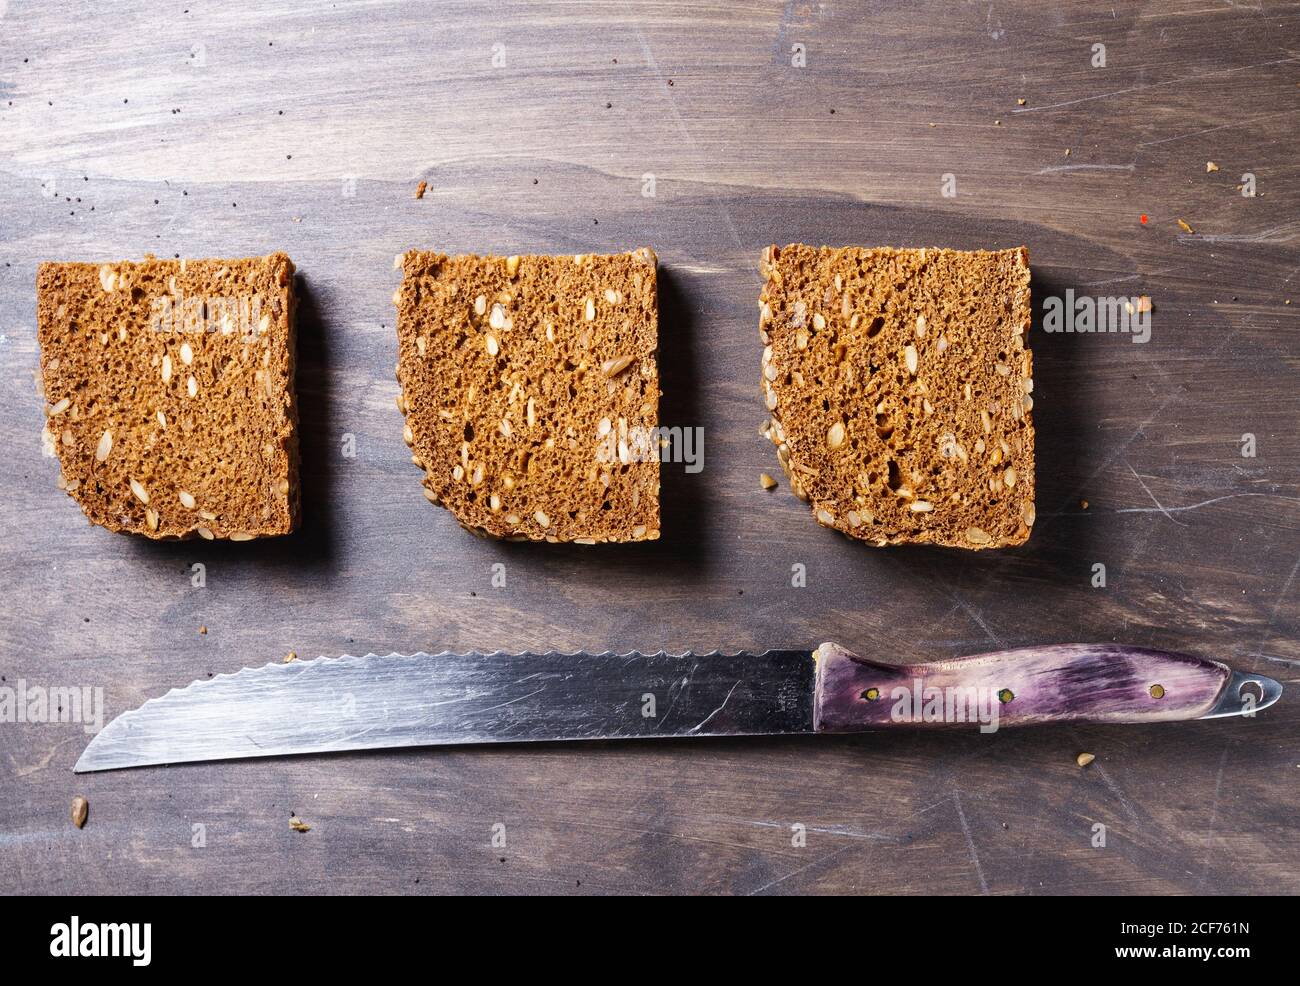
{"points": [[685, 131], [1160, 507], [802, 869], [970, 842], [974, 615], [845, 831], [1210, 130], [39, 765], [1278, 234], [1214, 815], [1133, 817], [1086, 167], [1153, 85]]}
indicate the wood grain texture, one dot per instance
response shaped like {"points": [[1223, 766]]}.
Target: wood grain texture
{"points": [[238, 129]]}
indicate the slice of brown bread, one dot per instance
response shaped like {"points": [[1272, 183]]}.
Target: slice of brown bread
{"points": [[899, 388], [170, 396], [531, 391]]}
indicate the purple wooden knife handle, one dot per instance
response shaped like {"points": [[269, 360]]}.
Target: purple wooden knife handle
{"points": [[1062, 683]]}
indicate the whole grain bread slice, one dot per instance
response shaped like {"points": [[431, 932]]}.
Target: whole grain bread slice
{"points": [[170, 393], [899, 387], [531, 392]]}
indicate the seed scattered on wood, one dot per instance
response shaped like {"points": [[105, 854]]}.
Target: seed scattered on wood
{"points": [[80, 811], [419, 189], [298, 825], [766, 481], [290, 657], [1210, 166], [1182, 224], [1083, 759]]}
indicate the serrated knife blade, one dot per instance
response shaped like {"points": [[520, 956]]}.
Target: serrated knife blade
{"points": [[405, 700], [401, 700]]}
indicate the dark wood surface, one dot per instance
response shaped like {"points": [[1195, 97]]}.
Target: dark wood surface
{"points": [[207, 130]]}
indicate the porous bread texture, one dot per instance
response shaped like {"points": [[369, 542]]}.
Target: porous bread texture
{"points": [[531, 392], [169, 388], [899, 389]]}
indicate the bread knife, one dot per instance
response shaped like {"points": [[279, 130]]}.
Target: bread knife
{"points": [[371, 702]]}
